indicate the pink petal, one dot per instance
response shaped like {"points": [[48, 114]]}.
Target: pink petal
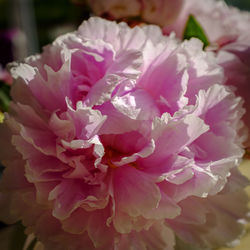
{"points": [[146, 194], [158, 237]]}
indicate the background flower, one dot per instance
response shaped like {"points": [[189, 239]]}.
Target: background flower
{"points": [[110, 140], [151, 11]]}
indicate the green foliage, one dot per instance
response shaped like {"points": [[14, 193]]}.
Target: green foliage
{"points": [[4, 97], [4, 10], [194, 29], [17, 238]]}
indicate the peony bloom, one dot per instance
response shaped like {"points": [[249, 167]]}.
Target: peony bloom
{"points": [[121, 138], [227, 29]]}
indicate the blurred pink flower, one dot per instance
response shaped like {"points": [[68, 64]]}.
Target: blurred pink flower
{"points": [[227, 29], [159, 11], [152, 11], [5, 76], [115, 8], [120, 138]]}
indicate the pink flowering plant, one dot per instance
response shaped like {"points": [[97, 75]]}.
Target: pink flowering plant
{"points": [[123, 138], [225, 31]]}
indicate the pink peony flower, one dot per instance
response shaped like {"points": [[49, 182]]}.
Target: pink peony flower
{"points": [[121, 138], [227, 29]]}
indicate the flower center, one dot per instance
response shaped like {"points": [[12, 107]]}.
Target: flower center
{"points": [[113, 155], [109, 156]]}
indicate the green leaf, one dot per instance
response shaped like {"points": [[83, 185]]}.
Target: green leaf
{"points": [[194, 29], [4, 101], [4, 97], [18, 238], [1, 120]]}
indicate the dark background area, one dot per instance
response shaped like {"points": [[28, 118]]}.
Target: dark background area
{"points": [[40, 20], [242, 4]]}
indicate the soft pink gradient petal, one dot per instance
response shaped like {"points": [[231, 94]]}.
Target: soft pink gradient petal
{"points": [[158, 237], [128, 182], [218, 214], [71, 194]]}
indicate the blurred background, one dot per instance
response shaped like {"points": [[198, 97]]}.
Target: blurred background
{"points": [[242, 4], [27, 25]]}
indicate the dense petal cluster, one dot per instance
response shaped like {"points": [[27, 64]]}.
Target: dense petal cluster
{"points": [[227, 29], [120, 138]]}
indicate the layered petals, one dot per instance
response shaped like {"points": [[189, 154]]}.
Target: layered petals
{"points": [[112, 137]]}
